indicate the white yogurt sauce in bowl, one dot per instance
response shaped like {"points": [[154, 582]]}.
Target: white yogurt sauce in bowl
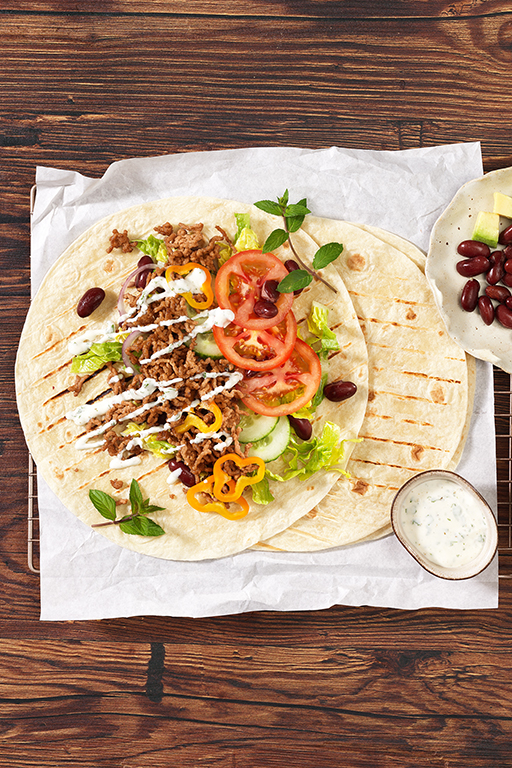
{"points": [[445, 524]]}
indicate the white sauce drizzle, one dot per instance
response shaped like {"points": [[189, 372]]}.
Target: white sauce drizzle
{"points": [[444, 522], [219, 317], [191, 283], [83, 343]]}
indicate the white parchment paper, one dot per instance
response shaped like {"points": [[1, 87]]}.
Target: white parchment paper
{"points": [[83, 576]]}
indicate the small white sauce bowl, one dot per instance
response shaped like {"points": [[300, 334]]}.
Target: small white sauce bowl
{"points": [[468, 570]]}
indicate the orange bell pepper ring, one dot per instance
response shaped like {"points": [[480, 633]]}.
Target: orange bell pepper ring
{"points": [[195, 421], [206, 287], [221, 478], [206, 486]]}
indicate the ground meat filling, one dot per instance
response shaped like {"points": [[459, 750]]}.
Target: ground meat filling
{"points": [[184, 244]]}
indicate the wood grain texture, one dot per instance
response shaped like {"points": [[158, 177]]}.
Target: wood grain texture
{"points": [[81, 91], [85, 84], [86, 704], [345, 9]]}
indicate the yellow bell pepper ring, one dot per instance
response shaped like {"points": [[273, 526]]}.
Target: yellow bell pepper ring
{"points": [[221, 478], [206, 287], [195, 421], [205, 486]]}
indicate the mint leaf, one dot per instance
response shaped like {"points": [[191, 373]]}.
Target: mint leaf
{"points": [[294, 222], [136, 499], [104, 503], [297, 209], [283, 201], [274, 240], [141, 526], [327, 253], [269, 206], [148, 508], [294, 281]]}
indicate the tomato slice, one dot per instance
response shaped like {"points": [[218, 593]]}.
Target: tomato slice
{"points": [[284, 389], [257, 350], [239, 283]]}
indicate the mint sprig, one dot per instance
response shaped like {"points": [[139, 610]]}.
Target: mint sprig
{"points": [[137, 522], [293, 216]]}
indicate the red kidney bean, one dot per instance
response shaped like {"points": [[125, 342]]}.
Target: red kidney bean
{"points": [[507, 252], [504, 315], [508, 266], [90, 301], [496, 273], [507, 279], [186, 476], [269, 290], [339, 390], [472, 267], [506, 236], [471, 248], [469, 295], [142, 277], [498, 292], [301, 427], [265, 309], [508, 302], [486, 309]]}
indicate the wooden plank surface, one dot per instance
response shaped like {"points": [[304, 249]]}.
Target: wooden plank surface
{"points": [[85, 84], [88, 704], [332, 9]]}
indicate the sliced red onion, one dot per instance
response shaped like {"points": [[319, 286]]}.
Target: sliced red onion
{"points": [[120, 301], [126, 346]]}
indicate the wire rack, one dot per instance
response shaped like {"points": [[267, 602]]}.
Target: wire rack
{"points": [[503, 422]]}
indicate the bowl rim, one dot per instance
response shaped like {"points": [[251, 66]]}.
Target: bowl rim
{"points": [[461, 572]]}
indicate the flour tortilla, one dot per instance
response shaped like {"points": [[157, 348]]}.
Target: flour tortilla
{"points": [[43, 375], [421, 387]]}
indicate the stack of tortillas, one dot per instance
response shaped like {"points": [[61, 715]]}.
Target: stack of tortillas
{"points": [[411, 412], [420, 385]]}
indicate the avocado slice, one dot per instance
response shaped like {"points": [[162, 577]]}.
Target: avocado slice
{"points": [[487, 228], [503, 205]]}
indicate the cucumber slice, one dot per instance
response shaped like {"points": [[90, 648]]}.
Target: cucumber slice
{"points": [[206, 346], [274, 444], [255, 426]]}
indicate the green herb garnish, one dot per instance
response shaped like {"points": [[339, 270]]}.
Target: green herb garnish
{"points": [[293, 216], [135, 523]]}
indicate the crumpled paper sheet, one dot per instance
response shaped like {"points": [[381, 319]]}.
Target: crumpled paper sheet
{"points": [[83, 576]]}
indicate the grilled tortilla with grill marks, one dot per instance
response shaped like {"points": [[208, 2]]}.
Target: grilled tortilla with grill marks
{"points": [[421, 388]]}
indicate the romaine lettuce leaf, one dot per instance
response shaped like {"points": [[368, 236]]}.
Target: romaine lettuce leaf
{"points": [[154, 247], [161, 448], [318, 325], [245, 239], [305, 458], [97, 356], [261, 493]]}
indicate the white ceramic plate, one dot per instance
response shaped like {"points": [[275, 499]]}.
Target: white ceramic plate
{"points": [[487, 342]]}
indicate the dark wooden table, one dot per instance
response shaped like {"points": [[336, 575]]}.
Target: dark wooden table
{"points": [[86, 83]]}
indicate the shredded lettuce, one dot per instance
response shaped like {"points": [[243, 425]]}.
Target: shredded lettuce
{"points": [[161, 448], [97, 357], [261, 493], [245, 239], [318, 325], [154, 247], [306, 458]]}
